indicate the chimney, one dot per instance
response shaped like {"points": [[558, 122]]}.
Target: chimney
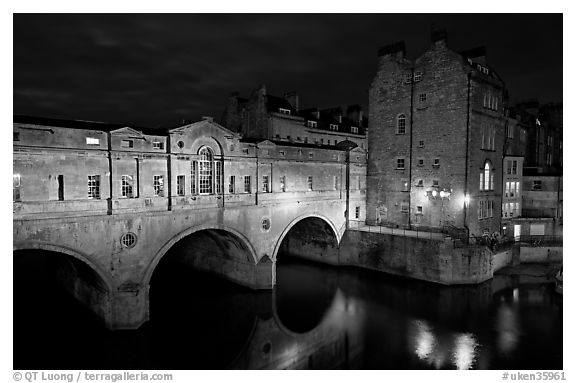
{"points": [[477, 54], [316, 113], [354, 113], [439, 36], [293, 99]]}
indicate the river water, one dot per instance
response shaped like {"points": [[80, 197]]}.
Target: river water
{"points": [[318, 317]]}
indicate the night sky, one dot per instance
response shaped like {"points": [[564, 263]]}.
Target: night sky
{"points": [[157, 70]]}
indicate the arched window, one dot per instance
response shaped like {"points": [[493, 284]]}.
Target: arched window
{"points": [[486, 177], [207, 171], [401, 124]]}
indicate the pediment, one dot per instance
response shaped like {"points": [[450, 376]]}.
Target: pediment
{"points": [[205, 125], [127, 131], [266, 144]]}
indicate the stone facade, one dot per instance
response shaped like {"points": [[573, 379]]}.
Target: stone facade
{"points": [[436, 126]]}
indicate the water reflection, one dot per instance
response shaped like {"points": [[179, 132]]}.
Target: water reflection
{"points": [[318, 317]]}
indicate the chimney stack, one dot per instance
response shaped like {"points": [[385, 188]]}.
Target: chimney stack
{"points": [[439, 36]]}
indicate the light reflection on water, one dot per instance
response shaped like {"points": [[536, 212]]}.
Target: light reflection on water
{"points": [[317, 317]]}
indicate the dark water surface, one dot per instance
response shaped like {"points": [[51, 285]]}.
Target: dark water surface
{"points": [[317, 317]]}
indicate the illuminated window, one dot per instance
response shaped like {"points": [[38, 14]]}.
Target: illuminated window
{"points": [[159, 186], [405, 184], [284, 111], [94, 186], [128, 186], [353, 129], [401, 124], [92, 141], [486, 177], [180, 185]]}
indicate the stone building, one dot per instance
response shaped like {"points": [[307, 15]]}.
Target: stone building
{"points": [[436, 133], [70, 167], [270, 117]]}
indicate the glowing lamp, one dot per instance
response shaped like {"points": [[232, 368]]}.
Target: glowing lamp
{"points": [[434, 193], [467, 199], [442, 194]]}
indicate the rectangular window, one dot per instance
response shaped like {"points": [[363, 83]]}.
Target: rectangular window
{"points": [[245, 151], [265, 184], [421, 143], [205, 177], [61, 187], [283, 183], [491, 209], [436, 163], [180, 185], [507, 189], [247, 184], [420, 161], [218, 178], [353, 129], [127, 144], [404, 207], [16, 185], [357, 213], [408, 78], [159, 186], [311, 124], [92, 141], [282, 153], [336, 182], [157, 145], [310, 154], [435, 183], [15, 136], [422, 98], [334, 127], [510, 131], [305, 140], [517, 189], [420, 183], [419, 210], [400, 163], [94, 186], [284, 111], [417, 76], [193, 187], [128, 186], [310, 183], [537, 185], [232, 185]]}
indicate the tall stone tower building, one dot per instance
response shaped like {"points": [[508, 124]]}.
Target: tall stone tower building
{"points": [[436, 135]]}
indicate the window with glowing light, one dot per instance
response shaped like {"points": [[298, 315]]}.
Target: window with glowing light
{"points": [[486, 177]]}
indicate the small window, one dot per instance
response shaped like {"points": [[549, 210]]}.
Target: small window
{"points": [[422, 98], [400, 163], [265, 184], [357, 212], [266, 224], [310, 184], [289, 138], [282, 153], [158, 186], [537, 185], [245, 151], [232, 185], [92, 141], [436, 163], [420, 183], [312, 124], [305, 140], [435, 183], [158, 145], [417, 76], [310, 154], [126, 144], [404, 207], [336, 181], [333, 127], [128, 240], [298, 138], [321, 141], [16, 186], [15, 136], [405, 184], [180, 185], [247, 184], [418, 209], [354, 129], [420, 161], [300, 152], [421, 143], [283, 183], [180, 144], [408, 78], [277, 136], [401, 124], [284, 111]]}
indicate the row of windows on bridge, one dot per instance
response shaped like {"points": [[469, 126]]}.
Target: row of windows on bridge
{"points": [[208, 183]]}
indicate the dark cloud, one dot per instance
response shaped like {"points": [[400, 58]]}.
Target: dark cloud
{"points": [[159, 69]]}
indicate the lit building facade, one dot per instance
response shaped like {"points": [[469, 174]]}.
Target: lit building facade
{"points": [[436, 134]]}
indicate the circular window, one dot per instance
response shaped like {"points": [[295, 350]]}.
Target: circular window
{"points": [[128, 240], [266, 224], [180, 144], [267, 348]]}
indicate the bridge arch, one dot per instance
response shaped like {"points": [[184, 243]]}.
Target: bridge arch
{"points": [[287, 229], [105, 277], [253, 258]]}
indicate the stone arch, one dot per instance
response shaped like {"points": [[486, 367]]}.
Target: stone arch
{"points": [[36, 245], [191, 230], [298, 219], [207, 141]]}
